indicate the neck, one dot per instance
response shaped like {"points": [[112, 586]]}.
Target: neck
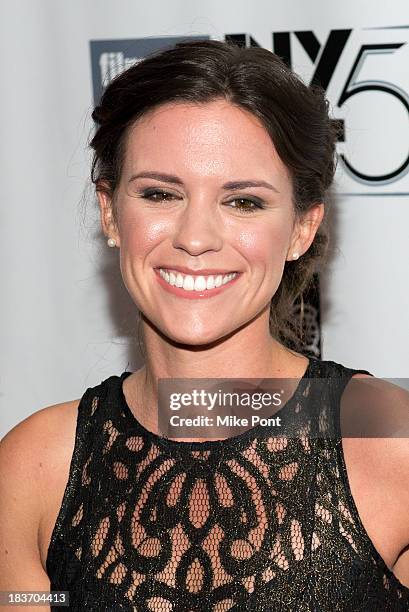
{"points": [[249, 353]]}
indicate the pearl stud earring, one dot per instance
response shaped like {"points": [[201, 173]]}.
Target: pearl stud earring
{"points": [[111, 242], [295, 255]]}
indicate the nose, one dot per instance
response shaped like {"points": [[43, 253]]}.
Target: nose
{"points": [[198, 228]]}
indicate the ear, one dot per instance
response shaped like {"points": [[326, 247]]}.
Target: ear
{"points": [[305, 229], [108, 223]]}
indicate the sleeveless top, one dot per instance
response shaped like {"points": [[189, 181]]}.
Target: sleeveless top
{"points": [[252, 522]]}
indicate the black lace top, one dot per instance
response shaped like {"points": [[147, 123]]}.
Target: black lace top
{"points": [[254, 522]]}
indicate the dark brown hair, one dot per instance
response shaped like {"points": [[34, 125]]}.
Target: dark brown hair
{"points": [[255, 79]]}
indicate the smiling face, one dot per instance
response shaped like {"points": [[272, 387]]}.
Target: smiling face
{"points": [[177, 206]]}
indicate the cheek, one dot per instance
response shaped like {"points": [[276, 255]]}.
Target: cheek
{"points": [[139, 233], [263, 245]]}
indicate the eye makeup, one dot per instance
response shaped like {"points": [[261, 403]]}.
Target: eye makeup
{"points": [[160, 195]]}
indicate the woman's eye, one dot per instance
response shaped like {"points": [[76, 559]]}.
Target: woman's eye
{"points": [[246, 205], [163, 196], [247, 208]]}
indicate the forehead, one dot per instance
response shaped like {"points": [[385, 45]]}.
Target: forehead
{"points": [[208, 138]]}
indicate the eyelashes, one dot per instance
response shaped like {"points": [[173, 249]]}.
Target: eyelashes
{"points": [[159, 195]]}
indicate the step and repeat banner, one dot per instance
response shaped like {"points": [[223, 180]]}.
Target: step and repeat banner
{"points": [[67, 322]]}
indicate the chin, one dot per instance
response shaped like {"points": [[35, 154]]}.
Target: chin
{"points": [[190, 338]]}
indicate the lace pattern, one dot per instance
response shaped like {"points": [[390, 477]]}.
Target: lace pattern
{"points": [[256, 522]]}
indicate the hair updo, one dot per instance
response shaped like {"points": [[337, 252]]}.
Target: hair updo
{"points": [[295, 116]]}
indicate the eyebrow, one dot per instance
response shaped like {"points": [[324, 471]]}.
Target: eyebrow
{"points": [[175, 180]]}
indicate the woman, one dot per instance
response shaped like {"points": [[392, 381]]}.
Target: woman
{"points": [[211, 165]]}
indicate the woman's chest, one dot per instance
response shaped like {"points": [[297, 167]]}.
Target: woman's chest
{"points": [[222, 523]]}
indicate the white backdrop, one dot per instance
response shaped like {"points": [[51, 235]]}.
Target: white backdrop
{"points": [[66, 320]]}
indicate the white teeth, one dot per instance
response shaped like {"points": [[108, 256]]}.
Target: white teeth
{"points": [[210, 282], [188, 283], [200, 283], [195, 283]]}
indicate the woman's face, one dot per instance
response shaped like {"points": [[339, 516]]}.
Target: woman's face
{"points": [[202, 187]]}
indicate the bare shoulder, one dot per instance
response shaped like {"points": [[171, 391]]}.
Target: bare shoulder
{"points": [[36, 445], [378, 467], [385, 403], [34, 464], [41, 422], [361, 375], [386, 406]]}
